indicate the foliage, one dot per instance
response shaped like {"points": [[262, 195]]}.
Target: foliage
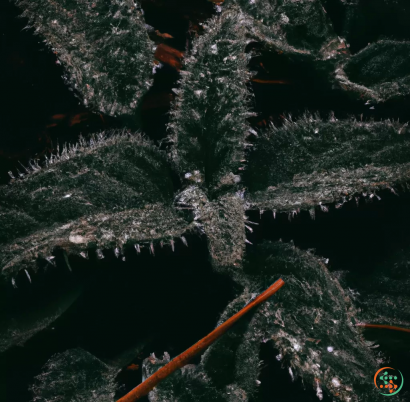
{"points": [[120, 192]]}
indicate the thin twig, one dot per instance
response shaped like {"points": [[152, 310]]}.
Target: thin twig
{"points": [[277, 82], [145, 387], [383, 327]]}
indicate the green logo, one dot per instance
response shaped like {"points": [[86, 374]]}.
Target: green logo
{"points": [[388, 381]]}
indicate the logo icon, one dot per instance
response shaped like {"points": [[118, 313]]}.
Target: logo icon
{"points": [[388, 381]]}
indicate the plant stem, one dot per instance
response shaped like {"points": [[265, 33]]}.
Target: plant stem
{"points": [[145, 387], [383, 327]]}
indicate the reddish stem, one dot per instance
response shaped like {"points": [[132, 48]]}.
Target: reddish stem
{"points": [[383, 327], [169, 55], [181, 360], [277, 82]]}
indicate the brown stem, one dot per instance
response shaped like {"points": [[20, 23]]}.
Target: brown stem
{"points": [[169, 55], [383, 327], [181, 360], [276, 82]]}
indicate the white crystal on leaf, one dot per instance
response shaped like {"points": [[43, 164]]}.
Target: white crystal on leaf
{"points": [[77, 239], [117, 252], [284, 18], [336, 382], [319, 392]]}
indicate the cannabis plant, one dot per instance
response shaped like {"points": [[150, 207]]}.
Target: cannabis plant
{"points": [[253, 203]]}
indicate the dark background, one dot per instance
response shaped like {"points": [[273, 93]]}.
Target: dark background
{"points": [[37, 109]]}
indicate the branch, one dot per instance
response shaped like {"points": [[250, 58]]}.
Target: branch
{"points": [[181, 360], [383, 327]]}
